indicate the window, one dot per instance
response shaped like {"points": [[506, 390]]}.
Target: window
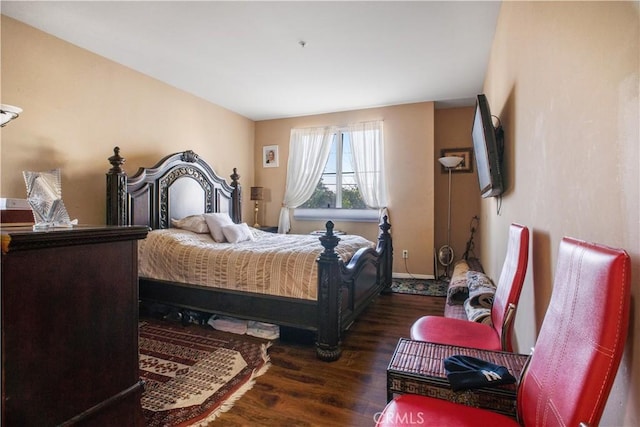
{"points": [[335, 173], [337, 187]]}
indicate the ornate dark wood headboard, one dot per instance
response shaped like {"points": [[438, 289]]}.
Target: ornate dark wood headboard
{"points": [[181, 184]]}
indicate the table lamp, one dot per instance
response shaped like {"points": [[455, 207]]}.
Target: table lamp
{"points": [[256, 195]]}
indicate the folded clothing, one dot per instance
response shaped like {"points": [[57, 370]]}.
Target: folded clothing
{"points": [[263, 330], [228, 324], [241, 327], [467, 372]]}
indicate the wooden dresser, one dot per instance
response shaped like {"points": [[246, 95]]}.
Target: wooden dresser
{"points": [[70, 326]]}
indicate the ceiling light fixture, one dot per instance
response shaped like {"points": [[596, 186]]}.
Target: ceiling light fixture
{"points": [[8, 113]]}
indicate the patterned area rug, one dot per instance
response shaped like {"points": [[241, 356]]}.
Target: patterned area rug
{"points": [[192, 373], [428, 287]]}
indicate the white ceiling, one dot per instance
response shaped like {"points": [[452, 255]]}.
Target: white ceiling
{"points": [[247, 57]]}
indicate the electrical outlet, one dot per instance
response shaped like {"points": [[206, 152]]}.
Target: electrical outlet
{"points": [[405, 253]]}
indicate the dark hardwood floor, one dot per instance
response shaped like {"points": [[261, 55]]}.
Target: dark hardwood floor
{"points": [[300, 390]]}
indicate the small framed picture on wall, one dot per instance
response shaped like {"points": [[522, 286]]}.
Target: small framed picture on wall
{"points": [[270, 156], [467, 159]]}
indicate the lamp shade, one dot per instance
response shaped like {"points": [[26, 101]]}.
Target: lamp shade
{"points": [[450, 161], [256, 193]]}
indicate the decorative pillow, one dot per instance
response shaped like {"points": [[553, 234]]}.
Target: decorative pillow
{"points": [[195, 223], [235, 233], [216, 221]]}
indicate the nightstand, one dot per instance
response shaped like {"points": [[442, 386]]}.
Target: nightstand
{"points": [[268, 228]]}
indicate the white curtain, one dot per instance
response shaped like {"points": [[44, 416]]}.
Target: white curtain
{"points": [[367, 142], [308, 153]]}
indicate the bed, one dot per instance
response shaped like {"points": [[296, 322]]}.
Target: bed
{"points": [[182, 185]]}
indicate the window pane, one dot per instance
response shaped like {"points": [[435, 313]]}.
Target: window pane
{"points": [[332, 162], [347, 165], [324, 196], [351, 198]]}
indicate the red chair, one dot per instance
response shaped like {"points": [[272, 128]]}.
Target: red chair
{"points": [[576, 357], [446, 330]]}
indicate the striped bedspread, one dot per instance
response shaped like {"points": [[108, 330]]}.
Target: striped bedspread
{"points": [[273, 264]]}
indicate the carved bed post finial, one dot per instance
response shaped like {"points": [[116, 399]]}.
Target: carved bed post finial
{"points": [[384, 225], [189, 156], [329, 298], [117, 213], [329, 241], [385, 247], [236, 197], [116, 161], [234, 177]]}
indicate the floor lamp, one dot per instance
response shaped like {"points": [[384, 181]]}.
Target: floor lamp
{"points": [[445, 253]]}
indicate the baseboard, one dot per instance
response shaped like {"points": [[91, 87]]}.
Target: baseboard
{"points": [[411, 276]]}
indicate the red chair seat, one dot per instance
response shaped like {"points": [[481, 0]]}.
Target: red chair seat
{"points": [[444, 330], [413, 410]]}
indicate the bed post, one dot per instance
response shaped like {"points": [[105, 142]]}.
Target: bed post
{"points": [[385, 247], [117, 191], [236, 197], [329, 298]]}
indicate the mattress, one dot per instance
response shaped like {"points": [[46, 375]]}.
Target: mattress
{"points": [[273, 264]]}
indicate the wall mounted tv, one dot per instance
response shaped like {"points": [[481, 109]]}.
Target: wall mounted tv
{"points": [[488, 147]]}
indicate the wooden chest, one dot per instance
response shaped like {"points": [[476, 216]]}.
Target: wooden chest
{"points": [[417, 367]]}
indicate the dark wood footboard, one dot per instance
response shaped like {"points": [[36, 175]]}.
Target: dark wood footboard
{"points": [[344, 291]]}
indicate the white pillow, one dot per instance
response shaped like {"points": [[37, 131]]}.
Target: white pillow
{"points": [[235, 233], [216, 221], [195, 223]]}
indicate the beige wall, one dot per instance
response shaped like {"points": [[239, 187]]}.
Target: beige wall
{"points": [[78, 106], [453, 130], [409, 157], [563, 77]]}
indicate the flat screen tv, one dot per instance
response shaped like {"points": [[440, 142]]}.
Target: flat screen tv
{"points": [[488, 148]]}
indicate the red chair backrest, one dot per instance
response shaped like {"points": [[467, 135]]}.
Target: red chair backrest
{"points": [[581, 340], [509, 285]]}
